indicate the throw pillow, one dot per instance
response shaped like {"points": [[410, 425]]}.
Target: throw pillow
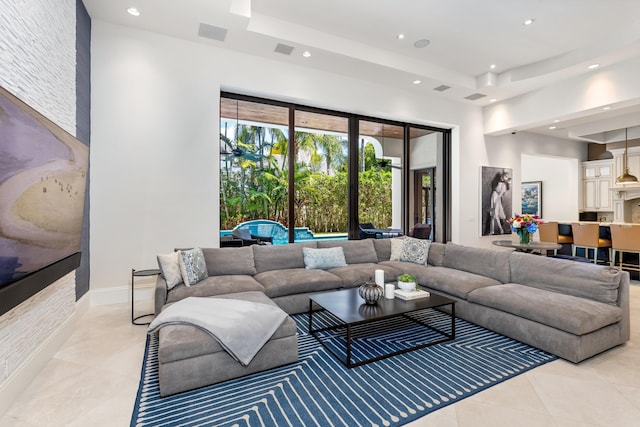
{"points": [[323, 258], [396, 248], [193, 266], [415, 250], [170, 268]]}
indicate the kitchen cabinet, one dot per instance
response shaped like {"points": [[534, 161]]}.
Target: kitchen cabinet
{"points": [[597, 178]]}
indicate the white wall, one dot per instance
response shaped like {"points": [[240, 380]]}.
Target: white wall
{"points": [[509, 150], [560, 178], [154, 159]]}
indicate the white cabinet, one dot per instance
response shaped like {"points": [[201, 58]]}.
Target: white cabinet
{"points": [[597, 178]]}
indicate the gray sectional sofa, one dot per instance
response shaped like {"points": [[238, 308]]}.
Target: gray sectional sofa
{"points": [[573, 310]]}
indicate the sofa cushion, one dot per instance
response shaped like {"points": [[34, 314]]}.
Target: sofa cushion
{"points": [[297, 281], [192, 266], [595, 282], [458, 283], [221, 261], [571, 314], [170, 268], [355, 251], [401, 267], [486, 262], [383, 248], [357, 274], [215, 285], [178, 342], [436, 254], [323, 258], [279, 257]]}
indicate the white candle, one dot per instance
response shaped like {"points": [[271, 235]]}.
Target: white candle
{"points": [[379, 277], [389, 290]]}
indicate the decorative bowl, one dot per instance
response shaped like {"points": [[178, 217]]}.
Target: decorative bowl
{"points": [[407, 286]]}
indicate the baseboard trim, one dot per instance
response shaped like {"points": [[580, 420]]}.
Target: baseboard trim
{"points": [[22, 377]]}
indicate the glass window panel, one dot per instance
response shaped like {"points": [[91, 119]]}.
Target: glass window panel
{"points": [[380, 164], [321, 176], [425, 148], [253, 169]]}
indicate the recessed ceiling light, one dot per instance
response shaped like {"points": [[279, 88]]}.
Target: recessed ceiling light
{"points": [[592, 66], [492, 100], [552, 127], [417, 82], [133, 11], [400, 36], [306, 54], [556, 121], [492, 66], [606, 108], [528, 22], [421, 43]]}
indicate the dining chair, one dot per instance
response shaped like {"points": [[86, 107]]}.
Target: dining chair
{"points": [[548, 232], [625, 238], [587, 236]]}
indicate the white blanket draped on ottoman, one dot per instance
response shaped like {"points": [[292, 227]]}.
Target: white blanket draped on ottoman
{"points": [[240, 327]]}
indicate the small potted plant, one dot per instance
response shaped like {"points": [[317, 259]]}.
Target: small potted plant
{"points": [[407, 282]]}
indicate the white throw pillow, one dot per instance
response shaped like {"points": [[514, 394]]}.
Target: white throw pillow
{"points": [[323, 258], [396, 248], [170, 267], [192, 266], [415, 250]]}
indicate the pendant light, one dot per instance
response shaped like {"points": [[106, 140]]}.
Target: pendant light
{"points": [[626, 177]]}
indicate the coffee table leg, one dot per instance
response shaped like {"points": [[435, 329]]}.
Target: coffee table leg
{"points": [[348, 345], [453, 320], [310, 316]]}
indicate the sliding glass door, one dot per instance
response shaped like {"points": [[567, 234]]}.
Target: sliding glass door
{"points": [[321, 177], [380, 187]]}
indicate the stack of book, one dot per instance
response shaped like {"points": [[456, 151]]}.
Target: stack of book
{"points": [[410, 295]]}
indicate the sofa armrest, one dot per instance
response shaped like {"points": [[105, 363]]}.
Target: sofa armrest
{"points": [[623, 302], [160, 294]]}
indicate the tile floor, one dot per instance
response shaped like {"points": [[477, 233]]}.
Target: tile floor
{"points": [[93, 379]]}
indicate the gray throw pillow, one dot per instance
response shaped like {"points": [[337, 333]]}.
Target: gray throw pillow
{"points": [[323, 258], [396, 248], [193, 266], [170, 268]]}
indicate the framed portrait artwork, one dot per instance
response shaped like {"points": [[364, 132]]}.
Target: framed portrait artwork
{"points": [[532, 198], [496, 200]]}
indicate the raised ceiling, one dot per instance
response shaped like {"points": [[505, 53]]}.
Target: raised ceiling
{"points": [[359, 38]]}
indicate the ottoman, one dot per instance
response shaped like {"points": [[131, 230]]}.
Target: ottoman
{"points": [[189, 358]]}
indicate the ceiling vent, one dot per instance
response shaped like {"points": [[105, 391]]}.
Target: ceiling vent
{"points": [[212, 32], [442, 88], [475, 96], [284, 49]]}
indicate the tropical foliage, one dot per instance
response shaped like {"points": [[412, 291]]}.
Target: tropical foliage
{"points": [[254, 180]]}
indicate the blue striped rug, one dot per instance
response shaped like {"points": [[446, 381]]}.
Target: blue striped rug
{"points": [[319, 390]]}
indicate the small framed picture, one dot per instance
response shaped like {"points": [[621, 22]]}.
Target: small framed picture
{"points": [[532, 198]]}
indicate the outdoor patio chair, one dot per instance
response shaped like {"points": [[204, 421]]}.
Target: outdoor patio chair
{"points": [[368, 231], [249, 239]]}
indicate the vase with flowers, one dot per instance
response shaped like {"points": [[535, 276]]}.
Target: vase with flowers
{"points": [[525, 226]]}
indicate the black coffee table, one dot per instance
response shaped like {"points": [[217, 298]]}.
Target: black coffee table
{"points": [[350, 311]]}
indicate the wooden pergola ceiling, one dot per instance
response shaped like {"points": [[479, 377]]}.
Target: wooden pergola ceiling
{"points": [[275, 115]]}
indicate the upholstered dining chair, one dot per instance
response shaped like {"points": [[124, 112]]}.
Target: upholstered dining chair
{"points": [[587, 236], [548, 232], [625, 238]]}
